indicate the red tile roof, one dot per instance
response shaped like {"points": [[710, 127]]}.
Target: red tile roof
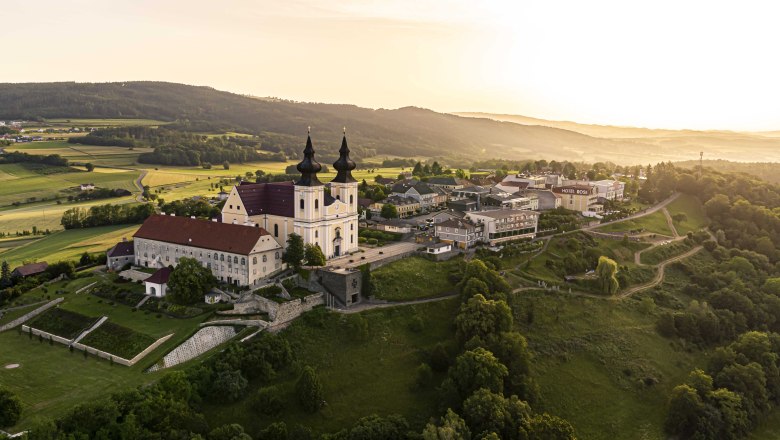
{"points": [[123, 248], [31, 269], [238, 239], [160, 277], [268, 198]]}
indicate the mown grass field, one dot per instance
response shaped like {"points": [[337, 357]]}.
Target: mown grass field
{"points": [[68, 245], [653, 223], [360, 377], [693, 210], [45, 215], [414, 278]]}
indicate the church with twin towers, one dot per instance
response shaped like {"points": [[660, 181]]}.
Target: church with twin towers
{"points": [[303, 207]]}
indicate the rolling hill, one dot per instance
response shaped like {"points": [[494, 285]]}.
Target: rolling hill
{"points": [[674, 144]]}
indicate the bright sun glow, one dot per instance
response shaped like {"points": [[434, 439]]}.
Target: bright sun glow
{"points": [[693, 64]]}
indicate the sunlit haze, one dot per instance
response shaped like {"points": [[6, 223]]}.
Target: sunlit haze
{"points": [[673, 64]]}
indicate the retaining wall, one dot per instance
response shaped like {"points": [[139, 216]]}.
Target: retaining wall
{"points": [[30, 315]]}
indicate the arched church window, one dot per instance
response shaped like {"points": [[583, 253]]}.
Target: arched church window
{"points": [[301, 203], [316, 234], [351, 199], [316, 203], [276, 230]]}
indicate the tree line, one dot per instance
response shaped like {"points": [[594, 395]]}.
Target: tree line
{"points": [[105, 215]]}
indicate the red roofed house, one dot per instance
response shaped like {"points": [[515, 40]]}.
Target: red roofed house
{"points": [[157, 284], [235, 254], [303, 207], [29, 270]]}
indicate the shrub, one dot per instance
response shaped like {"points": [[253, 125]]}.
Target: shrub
{"points": [[423, 376], [268, 401]]}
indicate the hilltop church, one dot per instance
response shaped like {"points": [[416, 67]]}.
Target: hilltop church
{"points": [[329, 220], [247, 245]]}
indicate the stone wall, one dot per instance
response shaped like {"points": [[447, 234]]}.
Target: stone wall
{"points": [[202, 341], [31, 315], [279, 313], [95, 351]]}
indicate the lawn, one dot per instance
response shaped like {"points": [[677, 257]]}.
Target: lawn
{"points": [[117, 340], [654, 223], [593, 359], [694, 213], [63, 323], [8, 316], [360, 377], [414, 278], [665, 251], [69, 245]]}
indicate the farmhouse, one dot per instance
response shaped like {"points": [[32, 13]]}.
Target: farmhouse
{"points": [[235, 254], [329, 220], [29, 270]]}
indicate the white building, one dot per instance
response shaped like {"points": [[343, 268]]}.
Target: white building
{"points": [[610, 189], [235, 254], [438, 248], [327, 220], [505, 224], [157, 284]]}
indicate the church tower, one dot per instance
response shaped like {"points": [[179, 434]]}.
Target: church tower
{"points": [[309, 197], [344, 187]]}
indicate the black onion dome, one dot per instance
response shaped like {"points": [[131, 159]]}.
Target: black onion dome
{"points": [[309, 167], [344, 165]]}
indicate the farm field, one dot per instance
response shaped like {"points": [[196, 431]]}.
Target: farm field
{"points": [[68, 245], [45, 215], [654, 223], [77, 153]]}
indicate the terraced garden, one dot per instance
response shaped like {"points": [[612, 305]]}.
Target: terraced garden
{"points": [[118, 340]]}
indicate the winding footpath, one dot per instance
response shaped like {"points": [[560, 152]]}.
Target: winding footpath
{"points": [[140, 186]]}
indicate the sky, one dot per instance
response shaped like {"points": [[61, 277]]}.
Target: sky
{"points": [[666, 64]]}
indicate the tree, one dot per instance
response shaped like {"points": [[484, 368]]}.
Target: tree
{"points": [[189, 281], [686, 408], [549, 427], [89, 166], [313, 255], [229, 432], [294, 254], [486, 412], [229, 386], [5, 275], [606, 272], [452, 427], [389, 211], [483, 319], [10, 408], [226, 165], [475, 369], [309, 390]]}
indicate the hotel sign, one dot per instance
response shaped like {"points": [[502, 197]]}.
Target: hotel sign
{"points": [[579, 192]]}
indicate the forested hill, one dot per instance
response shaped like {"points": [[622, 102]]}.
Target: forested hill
{"points": [[407, 131]]}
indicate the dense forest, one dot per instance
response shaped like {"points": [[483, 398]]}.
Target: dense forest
{"points": [[407, 131]]}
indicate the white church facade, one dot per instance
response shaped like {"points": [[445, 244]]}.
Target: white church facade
{"points": [[329, 220]]}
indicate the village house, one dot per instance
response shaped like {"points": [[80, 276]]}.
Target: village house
{"points": [[461, 233], [546, 199], [447, 183], [511, 201], [30, 269], [609, 189], [427, 196], [405, 207]]}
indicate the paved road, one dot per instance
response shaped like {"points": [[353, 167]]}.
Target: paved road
{"points": [[140, 186], [371, 255]]}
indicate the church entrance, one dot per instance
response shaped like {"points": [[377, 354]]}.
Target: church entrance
{"points": [[337, 243]]}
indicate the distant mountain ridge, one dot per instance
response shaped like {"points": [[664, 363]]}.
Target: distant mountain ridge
{"points": [[407, 131], [716, 144]]}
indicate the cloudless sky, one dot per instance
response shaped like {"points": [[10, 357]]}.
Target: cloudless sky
{"points": [[660, 63]]}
